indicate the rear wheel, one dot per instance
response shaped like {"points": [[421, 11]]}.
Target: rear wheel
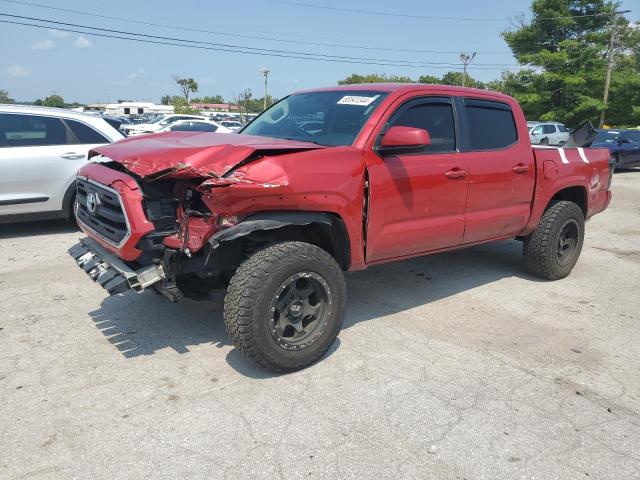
{"points": [[285, 305], [553, 249]]}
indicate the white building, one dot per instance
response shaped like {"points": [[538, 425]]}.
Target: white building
{"points": [[136, 108]]}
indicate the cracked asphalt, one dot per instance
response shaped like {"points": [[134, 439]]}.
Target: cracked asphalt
{"points": [[455, 366]]}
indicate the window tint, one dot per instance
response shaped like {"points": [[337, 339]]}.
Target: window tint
{"points": [[491, 125], [562, 128], [549, 129], [437, 119], [31, 131], [84, 134], [631, 136]]}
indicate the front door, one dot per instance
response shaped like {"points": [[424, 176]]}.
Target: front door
{"points": [[417, 200]]}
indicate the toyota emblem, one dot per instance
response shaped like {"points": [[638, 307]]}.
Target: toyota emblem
{"points": [[92, 202]]}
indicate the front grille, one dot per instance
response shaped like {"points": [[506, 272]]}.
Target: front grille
{"points": [[100, 210]]}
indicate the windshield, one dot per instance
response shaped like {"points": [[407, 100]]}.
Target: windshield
{"points": [[607, 136], [328, 118]]}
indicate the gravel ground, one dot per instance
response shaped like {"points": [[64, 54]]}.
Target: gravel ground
{"points": [[456, 366]]}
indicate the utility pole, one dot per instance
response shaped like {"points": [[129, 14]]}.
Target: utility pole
{"points": [[466, 59], [610, 62], [265, 71]]}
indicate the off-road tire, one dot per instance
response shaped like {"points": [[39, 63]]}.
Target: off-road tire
{"points": [[248, 301], [540, 249]]}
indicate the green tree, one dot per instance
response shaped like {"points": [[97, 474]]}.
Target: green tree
{"points": [[38, 102], [374, 78], [187, 85], [4, 97], [180, 105], [430, 79], [566, 45], [53, 101], [165, 100], [455, 78]]}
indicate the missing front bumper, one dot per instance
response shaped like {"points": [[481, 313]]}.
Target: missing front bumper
{"points": [[109, 271]]}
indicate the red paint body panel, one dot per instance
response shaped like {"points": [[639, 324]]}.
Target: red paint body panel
{"points": [[417, 204], [131, 197], [191, 154]]}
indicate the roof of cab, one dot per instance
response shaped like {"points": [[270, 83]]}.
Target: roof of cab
{"points": [[405, 87]]}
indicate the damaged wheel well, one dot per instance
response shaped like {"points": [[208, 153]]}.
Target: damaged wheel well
{"points": [[325, 230]]}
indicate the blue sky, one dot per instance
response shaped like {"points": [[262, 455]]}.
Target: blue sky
{"points": [[34, 62]]}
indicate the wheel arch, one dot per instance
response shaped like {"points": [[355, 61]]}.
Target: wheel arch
{"points": [[576, 194], [67, 200], [323, 229]]}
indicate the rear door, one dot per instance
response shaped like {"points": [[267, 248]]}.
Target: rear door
{"points": [[414, 206], [501, 171]]}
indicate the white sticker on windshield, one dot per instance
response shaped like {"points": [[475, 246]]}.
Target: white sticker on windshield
{"points": [[357, 100]]}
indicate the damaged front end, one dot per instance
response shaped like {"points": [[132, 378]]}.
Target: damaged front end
{"points": [[154, 221]]}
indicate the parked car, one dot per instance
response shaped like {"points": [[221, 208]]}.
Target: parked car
{"points": [[232, 125], [549, 133], [41, 149], [624, 146], [276, 214], [195, 126], [158, 123]]}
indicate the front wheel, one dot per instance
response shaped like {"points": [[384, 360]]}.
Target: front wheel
{"points": [[552, 250], [285, 305]]}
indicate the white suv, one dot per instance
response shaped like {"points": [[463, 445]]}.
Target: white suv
{"points": [[548, 133], [41, 149]]}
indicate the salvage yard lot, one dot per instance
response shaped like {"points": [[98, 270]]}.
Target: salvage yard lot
{"points": [[454, 366]]}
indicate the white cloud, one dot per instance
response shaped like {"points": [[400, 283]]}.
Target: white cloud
{"points": [[82, 42], [17, 71], [45, 44], [59, 33], [137, 74]]}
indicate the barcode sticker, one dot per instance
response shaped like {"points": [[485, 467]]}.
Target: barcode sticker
{"points": [[356, 100]]}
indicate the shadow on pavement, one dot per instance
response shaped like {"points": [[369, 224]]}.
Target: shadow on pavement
{"points": [[40, 227], [143, 324]]}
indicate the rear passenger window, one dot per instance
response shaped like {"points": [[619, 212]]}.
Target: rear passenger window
{"points": [[549, 129], [435, 118], [562, 128], [31, 131], [491, 125], [84, 134]]}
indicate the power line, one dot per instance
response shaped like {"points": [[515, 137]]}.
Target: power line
{"points": [[255, 50], [239, 35], [424, 17], [222, 49]]}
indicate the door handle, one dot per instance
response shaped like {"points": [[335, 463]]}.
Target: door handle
{"points": [[521, 168], [456, 173], [72, 155]]}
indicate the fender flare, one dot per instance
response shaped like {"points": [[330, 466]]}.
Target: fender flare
{"points": [[274, 220]]}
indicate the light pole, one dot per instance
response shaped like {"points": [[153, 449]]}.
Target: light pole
{"points": [[265, 71], [466, 60]]}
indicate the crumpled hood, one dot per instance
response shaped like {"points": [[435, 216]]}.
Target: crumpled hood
{"points": [[193, 154]]}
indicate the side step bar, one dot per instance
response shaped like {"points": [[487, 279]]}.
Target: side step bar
{"points": [[109, 271]]}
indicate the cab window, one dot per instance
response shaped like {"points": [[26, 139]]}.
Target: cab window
{"points": [[491, 125], [436, 117]]}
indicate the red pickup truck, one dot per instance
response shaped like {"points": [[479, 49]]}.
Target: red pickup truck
{"points": [[327, 181]]}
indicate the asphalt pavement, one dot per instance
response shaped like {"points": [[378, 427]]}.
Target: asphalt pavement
{"points": [[454, 366]]}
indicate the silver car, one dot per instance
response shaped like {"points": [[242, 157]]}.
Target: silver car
{"points": [[548, 133], [41, 149]]}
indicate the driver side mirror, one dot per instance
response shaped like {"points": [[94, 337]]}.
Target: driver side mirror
{"points": [[404, 140]]}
